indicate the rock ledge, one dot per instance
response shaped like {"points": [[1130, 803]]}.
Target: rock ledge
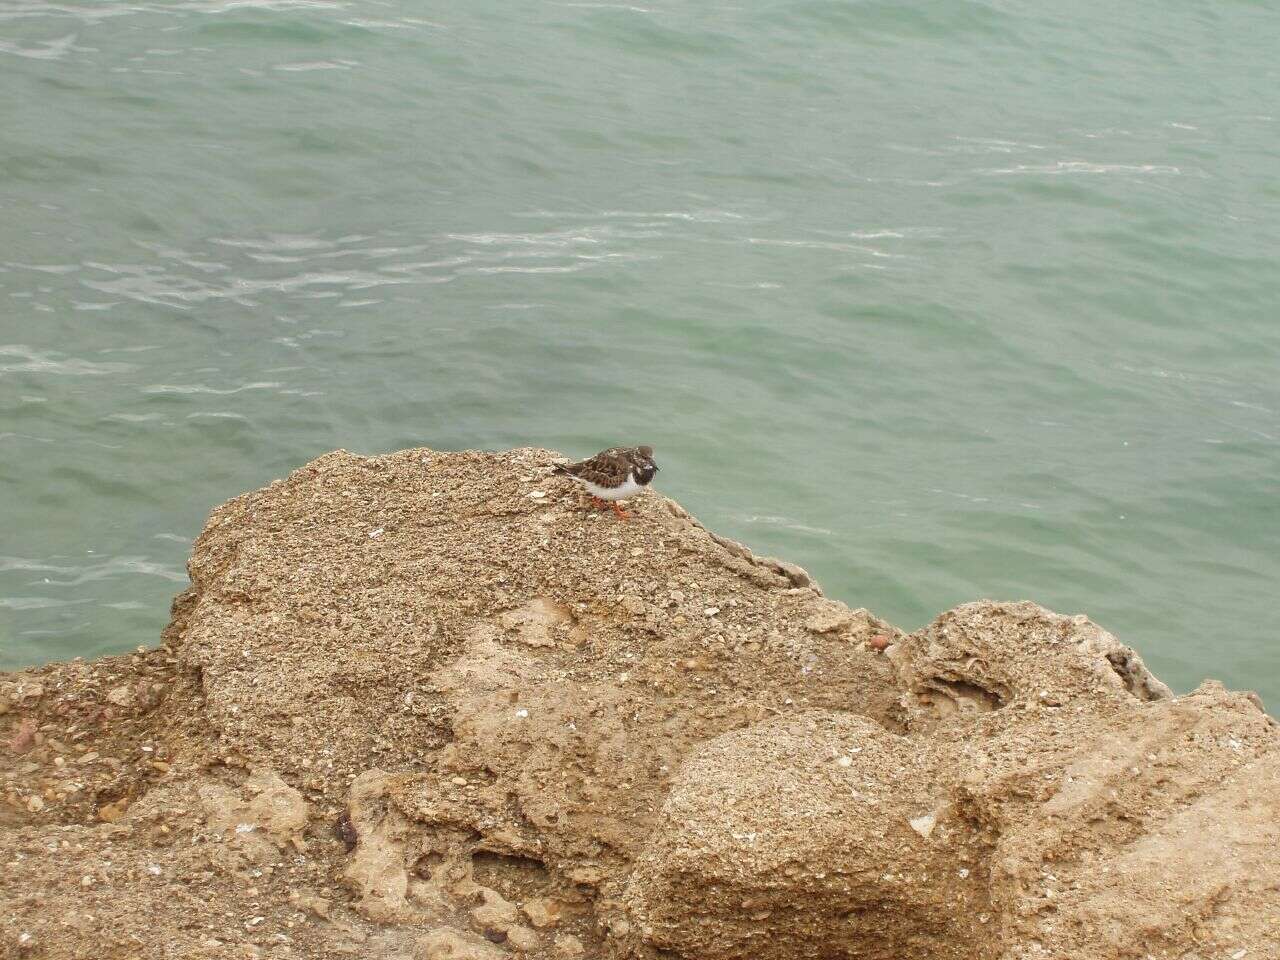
{"points": [[428, 706]]}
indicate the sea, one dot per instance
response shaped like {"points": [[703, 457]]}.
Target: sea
{"points": [[940, 299]]}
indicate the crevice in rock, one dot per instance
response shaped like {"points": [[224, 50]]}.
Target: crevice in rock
{"points": [[959, 696], [512, 875]]}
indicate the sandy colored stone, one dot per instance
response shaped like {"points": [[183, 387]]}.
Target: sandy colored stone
{"points": [[111, 812], [120, 696], [23, 737], [378, 745], [535, 622], [829, 617], [449, 944], [495, 912], [377, 871], [542, 913], [522, 939], [261, 818]]}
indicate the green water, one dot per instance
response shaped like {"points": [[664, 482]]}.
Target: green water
{"points": [[941, 300]]}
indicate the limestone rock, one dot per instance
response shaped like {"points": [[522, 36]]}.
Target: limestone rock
{"points": [[495, 912], [535, 622], [449, 944], [769, 847], [654, 741], [377, 871], [261, 819], [542, 913]]}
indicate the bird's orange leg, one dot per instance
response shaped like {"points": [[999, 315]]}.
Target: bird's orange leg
{"points": [[596, 502], [618, 511]]}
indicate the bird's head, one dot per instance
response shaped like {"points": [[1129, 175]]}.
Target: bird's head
{"points": [[642, 465]]}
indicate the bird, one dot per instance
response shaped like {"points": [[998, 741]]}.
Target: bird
{"points": [[612, 475]]}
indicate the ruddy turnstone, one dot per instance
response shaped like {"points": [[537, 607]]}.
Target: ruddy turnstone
{"points": [[614, 474]]}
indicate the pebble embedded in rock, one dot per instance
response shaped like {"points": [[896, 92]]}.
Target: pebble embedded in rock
{"points": [[924, 825], [111, 812], [120, 696], [24, 737], [542, 912], [523, 939]]}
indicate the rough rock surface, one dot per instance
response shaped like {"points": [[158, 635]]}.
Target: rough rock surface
{"points": [[428, 705]]}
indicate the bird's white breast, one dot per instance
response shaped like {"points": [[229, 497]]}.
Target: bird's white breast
{"points": [[628, 488]]}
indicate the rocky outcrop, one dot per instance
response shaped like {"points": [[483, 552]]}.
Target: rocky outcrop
{"points": [[429, 705]]}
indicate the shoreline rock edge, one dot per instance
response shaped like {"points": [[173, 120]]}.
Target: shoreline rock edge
{"points": [[426, 705]]}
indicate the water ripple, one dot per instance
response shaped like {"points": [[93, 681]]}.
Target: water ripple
{"points": [[45, 50], [30, 360], [187, 388], [1067, 167]]}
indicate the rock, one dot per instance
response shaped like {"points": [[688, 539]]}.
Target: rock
{"points": [[449, 944], [111, 812], [306, 900], [534, 623], [24, 737], [567, 947], [759, 818], [522, 939], [377, 871], [783, 778], [495, 913], [924, 825], [498, 920], [830, 618], [795, 574], [542, 913], [276, 807], [121, 696], [982, 656], [260, 819]]}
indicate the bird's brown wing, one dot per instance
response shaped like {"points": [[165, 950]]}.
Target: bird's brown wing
{"points": [[608, 468]]}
